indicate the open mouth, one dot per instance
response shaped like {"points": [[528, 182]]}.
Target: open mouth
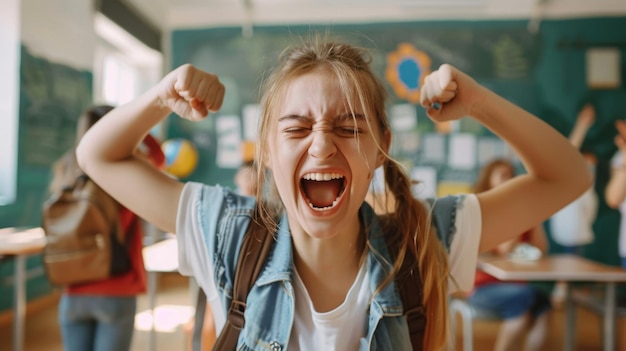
{"points": [[322, 190]]}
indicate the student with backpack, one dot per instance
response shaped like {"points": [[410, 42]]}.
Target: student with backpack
{"points": [[95, 315], [330, 279]]}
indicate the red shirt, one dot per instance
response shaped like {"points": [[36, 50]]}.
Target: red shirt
{"points": [[483, 278]]}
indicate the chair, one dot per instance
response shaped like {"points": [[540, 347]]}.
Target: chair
{"points": [[468, 313]]}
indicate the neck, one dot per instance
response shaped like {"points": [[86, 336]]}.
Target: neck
{"points": [[329, 266]]}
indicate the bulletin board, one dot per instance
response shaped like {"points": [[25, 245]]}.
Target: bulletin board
{"points": [[502, 55]]}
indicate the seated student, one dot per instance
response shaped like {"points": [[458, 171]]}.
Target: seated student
{"points": [[330, 277], [521, 305]]}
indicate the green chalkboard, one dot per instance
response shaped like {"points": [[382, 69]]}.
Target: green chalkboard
{"points": [[52, 96]]}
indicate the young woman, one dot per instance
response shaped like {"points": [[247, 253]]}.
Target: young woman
{"points": [[329, 279], [523, 307]]}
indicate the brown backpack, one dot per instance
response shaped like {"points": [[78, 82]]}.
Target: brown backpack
{"points": [[85, 241], [254, 250]]}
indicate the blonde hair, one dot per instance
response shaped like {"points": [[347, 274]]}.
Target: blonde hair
{"points": [[409, 219]]}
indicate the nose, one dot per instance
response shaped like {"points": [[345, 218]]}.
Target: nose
{"points": [[322, 145]]}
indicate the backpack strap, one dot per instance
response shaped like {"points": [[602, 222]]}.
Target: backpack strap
{"points": [[255, 248], [408, 279]]}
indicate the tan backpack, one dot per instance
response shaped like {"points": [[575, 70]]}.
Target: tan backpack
{"points": [[85, 241]]}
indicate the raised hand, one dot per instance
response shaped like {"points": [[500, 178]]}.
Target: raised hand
{"points": [[585, 119], [190, 92], [449, 94], [587, 115]]}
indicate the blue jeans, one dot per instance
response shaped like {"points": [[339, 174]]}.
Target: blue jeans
{"points": [[97, 323], [574, 250], [510, 300]]}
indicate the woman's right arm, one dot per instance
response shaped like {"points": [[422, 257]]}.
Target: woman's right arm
{"points": [[107, 151]]}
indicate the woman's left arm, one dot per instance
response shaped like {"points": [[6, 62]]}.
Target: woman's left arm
{"points": [[556, 172]]}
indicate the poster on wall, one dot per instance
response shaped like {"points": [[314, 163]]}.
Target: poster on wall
{"points": [[462, 151], [228, 130], [603, 68]]}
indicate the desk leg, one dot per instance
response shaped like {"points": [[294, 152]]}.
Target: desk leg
{"points": [[609, 317], [570, 319], [152, 289], [19, 305]]}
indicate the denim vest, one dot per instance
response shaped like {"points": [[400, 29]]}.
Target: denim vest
{"points": [[270, 307]]}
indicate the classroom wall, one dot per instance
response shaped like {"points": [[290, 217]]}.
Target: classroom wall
{"points": [[55, 85], [543, 73]]}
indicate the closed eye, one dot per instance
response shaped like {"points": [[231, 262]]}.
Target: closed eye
{"points": [[348, 131], [297, 131]]}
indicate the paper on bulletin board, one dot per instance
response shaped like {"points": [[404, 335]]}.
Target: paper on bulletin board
{"points": [[403, 117], [228, 130], [462, 151], [489, 149], [603, 67], [433, 148], [427, 178], [251, 114]]}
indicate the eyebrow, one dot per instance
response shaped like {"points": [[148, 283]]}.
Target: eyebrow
{"points": [[350, 116], [294, 117], [340, 118]]}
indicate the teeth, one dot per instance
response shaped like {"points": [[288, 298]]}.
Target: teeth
{"points": [[320, 209], [322, 176]]}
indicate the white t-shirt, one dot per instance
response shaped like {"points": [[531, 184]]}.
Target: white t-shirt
{"points": [[338, 329], [617, 162], [573, 224], [332, 328]]}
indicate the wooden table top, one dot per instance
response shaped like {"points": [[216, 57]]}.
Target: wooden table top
{"points": [[551, 268], [21, 241]]}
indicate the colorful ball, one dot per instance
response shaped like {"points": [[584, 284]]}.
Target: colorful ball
{"points": [[181, 157]]}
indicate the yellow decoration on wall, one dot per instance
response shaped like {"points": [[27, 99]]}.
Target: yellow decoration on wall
{"points": [[446, 188], [406, 69]]}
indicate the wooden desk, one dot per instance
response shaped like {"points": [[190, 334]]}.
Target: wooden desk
{"points": [[20, 243], [569, 268]]}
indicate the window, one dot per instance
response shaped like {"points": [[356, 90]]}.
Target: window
{"points": [[124, 67], [9, 95]]}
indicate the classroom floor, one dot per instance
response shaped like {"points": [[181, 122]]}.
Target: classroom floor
{"points": [[174, 301]]}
